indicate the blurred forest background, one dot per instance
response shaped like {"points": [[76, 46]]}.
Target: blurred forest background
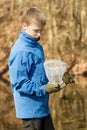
{"points": [[65, 38]]}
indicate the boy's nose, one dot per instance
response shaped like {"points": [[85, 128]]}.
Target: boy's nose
{"points": [[39, 34]]}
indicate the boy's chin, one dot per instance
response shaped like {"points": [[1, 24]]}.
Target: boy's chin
{"points": [[37, 37]]}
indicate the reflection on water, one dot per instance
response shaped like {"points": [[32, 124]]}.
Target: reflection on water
{"points": [[68, 108]]}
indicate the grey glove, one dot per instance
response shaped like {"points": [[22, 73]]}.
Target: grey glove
{"points": [[54, 87]]}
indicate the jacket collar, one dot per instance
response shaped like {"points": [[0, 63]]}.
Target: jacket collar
{"points": [[30, 40]]}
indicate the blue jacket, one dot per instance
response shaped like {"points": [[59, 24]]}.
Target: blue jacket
{"points": [[28, 78]]}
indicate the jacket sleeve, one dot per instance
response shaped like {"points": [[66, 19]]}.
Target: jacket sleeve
{"points": [[19, 68]]}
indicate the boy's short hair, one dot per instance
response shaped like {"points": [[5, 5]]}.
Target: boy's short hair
{"points": [[34, 15]]}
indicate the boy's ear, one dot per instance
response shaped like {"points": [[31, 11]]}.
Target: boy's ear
{"points": [[24, 26]]}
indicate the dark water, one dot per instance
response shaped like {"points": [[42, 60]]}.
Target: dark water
{"points": [[68, 108]]}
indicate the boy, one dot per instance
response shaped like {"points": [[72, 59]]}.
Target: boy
{"points": [[29, 83]]}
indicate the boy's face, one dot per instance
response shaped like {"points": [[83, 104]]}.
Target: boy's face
{"points": [[33, 30]]}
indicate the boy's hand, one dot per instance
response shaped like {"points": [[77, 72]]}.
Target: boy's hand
{"points": [[67, 78], [54, 87]]}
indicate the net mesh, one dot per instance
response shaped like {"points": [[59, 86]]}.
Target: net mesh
{"points": [[55, 70]]}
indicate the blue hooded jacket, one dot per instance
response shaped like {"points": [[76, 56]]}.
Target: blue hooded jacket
{"points": [[28, 77]]}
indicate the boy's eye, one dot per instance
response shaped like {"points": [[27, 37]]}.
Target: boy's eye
{"points": [[37, 30]]}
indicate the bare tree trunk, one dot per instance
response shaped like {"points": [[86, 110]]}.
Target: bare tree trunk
{"points": [[49, 25]]}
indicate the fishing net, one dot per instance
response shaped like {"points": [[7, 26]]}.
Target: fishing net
{"points": [[55, 70]]}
